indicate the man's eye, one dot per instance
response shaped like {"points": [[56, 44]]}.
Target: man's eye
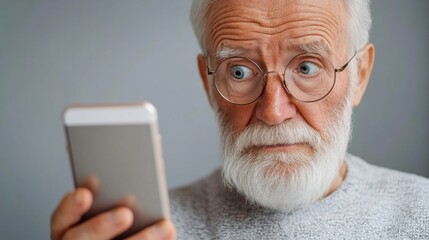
{"points": [[240, 72], [308, 68]]}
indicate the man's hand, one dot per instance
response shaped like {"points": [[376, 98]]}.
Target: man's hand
{"points": [[103, 226]]}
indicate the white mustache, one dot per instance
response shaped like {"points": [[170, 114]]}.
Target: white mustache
{"points": [[287, 133]]}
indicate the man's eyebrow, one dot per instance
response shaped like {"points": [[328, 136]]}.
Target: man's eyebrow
{"points": [[313, 47], [319, 47], [226, 52]]}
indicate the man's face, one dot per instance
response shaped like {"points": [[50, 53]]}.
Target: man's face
{"points": [[271, 33]]}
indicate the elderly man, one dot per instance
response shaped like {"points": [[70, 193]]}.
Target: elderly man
{"points": [[282, 77]]}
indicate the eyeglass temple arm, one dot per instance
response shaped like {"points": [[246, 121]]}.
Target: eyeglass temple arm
{"points": [[209, 72], [345, 65]]}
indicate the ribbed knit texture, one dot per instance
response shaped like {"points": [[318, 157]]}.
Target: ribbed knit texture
{"points": [[371, 203]]}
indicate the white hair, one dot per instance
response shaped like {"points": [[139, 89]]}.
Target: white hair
{"points": [[358, 12]]}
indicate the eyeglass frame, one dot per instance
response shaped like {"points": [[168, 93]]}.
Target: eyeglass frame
{"points": [[264, 74]]}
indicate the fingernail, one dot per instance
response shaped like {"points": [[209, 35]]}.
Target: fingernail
{"points": [[118, 216], [77, 198]]}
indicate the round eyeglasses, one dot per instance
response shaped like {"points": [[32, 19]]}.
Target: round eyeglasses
{"points": [[307, 77]]}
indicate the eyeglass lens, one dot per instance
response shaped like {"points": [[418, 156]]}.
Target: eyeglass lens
{"points": [[308, 77]]}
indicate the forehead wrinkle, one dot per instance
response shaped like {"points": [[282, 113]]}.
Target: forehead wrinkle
{"points": [[316, 42], [315, 31], [222, 13], [235, 32], [268, 18], [220, 17], [230, 19], [319, 22], [234, 28], [314, 22], [326, 15]]}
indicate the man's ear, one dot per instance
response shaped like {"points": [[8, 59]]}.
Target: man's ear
{"points": [[202, 67], [364, 69]]}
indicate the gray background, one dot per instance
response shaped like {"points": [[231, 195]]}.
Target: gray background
{"points": [[58, 52]]}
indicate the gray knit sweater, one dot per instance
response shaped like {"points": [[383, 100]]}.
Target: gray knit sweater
{"points": [[371, 203]]}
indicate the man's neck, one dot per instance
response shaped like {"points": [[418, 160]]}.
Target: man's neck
{"points": [[338, 180]]}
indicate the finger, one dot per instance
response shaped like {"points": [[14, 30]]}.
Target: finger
{"points": [[161, 230], [104, 226], [69, 211]]}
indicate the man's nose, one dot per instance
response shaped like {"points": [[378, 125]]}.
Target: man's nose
{"points": [[274, 105]]}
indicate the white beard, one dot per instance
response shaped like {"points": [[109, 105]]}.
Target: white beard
{"points": [[285, 180]]}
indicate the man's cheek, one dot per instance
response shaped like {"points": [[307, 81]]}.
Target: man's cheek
{"points": [[237, 116]]}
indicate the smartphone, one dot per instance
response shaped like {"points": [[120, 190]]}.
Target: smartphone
{"points": [[115, 151]]}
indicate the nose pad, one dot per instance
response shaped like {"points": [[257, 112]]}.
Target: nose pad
{"points": [[285, 86]]}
